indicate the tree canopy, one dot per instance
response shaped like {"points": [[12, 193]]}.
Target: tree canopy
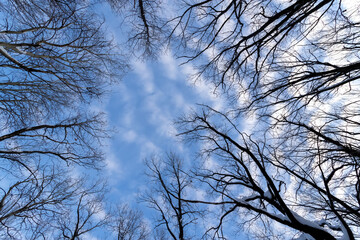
{"points": [[281, 160], [54, 58], [286, 148]]}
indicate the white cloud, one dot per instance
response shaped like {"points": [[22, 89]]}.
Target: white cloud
{"points": [[127, 118], [89, 236], [170, 64], [148, 148], [160, 116], [352, 9], [203, 88], [129, 135], [146, 76], [112, 164], [179, 100]]}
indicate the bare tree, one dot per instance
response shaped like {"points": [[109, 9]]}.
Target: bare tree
{"points": [[68, 141], [146, 24], [53, 54], [54, 59], [86, 215], [294, 66], [266, 53], [293, 180], [128, 224], [270, 51], [30, 202], [171, 186]]}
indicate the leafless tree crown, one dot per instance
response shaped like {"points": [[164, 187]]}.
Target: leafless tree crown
{"points": [[287, 150]]}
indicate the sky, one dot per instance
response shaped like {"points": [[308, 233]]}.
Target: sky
{"points": [[141, 110]]}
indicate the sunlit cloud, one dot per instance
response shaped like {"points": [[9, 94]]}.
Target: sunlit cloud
{"points": [[146, 76], [170, 65]]}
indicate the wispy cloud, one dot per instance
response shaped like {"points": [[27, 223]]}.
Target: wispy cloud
{"points": [[170, 65], [146, 76]]}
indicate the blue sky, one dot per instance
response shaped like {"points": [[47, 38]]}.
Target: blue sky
{"points": [[141, 111], [143, 108]]}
